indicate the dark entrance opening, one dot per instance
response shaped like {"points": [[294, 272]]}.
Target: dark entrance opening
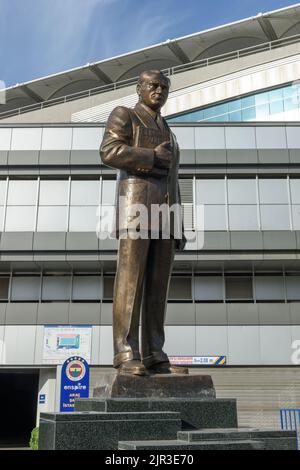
{"points": [[18, 398]]}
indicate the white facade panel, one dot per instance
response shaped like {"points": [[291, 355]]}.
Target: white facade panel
{"points": [[243, 345], [240, 137], [19, 345], [52, 219], [293, 137], [5, 138], [57, 138], [210, 138], [85, 193], [22, 193], [271, 137], [185, 137], [210, 191], [87, 138], [53, 193], [211, 340], [180, 340], [106, 345], [26, 138], [95, 345], [39, 345], [2, 344], [276, 345]]}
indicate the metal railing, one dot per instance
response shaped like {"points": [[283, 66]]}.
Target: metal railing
{"points": [[290, 421], [237, 54]]}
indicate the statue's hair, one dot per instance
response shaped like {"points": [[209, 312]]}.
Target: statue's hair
{"points": [[144, 75]]}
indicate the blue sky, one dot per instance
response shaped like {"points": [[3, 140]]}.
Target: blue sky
{"points": [[42, 37]]}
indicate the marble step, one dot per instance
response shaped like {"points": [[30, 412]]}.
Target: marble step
{"points": [[246, 444], [271, 439], [194, 412]]}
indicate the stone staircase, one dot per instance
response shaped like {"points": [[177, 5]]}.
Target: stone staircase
{"points": [[219, 439], [160, 412]]}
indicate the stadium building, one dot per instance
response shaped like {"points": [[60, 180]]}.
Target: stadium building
{"points": [[234, 106]]}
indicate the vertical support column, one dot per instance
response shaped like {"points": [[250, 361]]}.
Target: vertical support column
{"points": [[47, 384]]}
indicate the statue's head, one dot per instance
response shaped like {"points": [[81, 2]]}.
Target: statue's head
{"points": [[153, 89]]}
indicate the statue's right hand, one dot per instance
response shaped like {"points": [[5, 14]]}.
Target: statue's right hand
{"points": [[163, 155]]}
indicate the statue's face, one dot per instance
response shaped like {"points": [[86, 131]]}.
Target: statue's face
{"points": [[154, 91]]}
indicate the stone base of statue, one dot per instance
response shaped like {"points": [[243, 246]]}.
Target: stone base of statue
{"points": [[116, 385], [155, 412]]}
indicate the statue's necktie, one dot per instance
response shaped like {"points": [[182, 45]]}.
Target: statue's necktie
{"points": [[159, 122]]}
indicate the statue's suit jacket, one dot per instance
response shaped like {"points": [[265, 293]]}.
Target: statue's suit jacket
{"points": [[138, 181]]}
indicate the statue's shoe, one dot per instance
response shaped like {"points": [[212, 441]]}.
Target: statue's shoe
{"points": [[132, 367], [167, 368]]}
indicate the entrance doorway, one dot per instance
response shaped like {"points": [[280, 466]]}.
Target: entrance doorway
{"points": [[18, 397]]}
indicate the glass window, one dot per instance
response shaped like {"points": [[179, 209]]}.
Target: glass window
{"points": [[276, 107], [273, 191], [87, 288], [56, 288], [215, 217], [20, 219], [208, 288], [292, 287], [248, 114], [269, 287], [197, 116], [83, 219], [248, 101], [4, 285], [108, 287], [22, 193], [261, 98], [274, 217], [243, 217], [85, 193], [290, 103], [262, 111], [209, 112], [241, 191], [236, 116], [52, 219], [25, 288], [289, 91], [257, 106], [276, 95], [53, 193], [234, 105], [238, 288], [180, 289]]}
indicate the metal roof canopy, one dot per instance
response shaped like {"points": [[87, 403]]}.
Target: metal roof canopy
{"points": [[211, 42]]}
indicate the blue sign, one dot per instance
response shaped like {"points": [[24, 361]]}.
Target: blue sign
{"points": [[42, 399], [74, 382]]}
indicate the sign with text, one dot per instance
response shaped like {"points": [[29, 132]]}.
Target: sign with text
{"points": [[198, 360], [74, 382], [62, 341]]}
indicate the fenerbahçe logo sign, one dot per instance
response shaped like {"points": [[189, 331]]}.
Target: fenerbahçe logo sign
{"points": [[74, 382], [75, 370]]}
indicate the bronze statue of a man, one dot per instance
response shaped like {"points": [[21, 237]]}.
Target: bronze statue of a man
{"points": [[139, 143]]}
